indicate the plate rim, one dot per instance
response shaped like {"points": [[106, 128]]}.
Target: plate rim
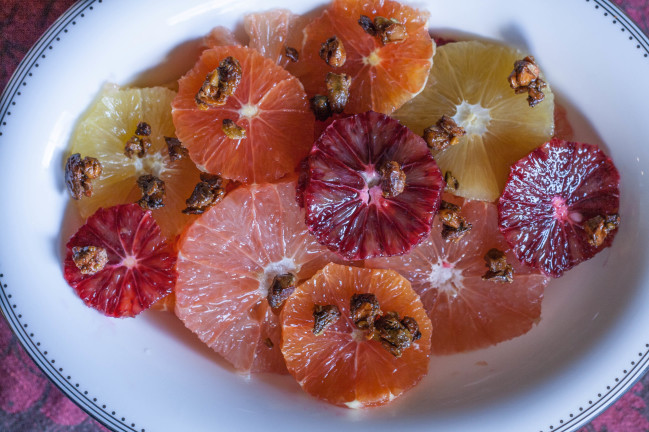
{"points": [[115, 422]]}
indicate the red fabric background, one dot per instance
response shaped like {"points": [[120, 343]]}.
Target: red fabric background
{"points": [[30, 402]]}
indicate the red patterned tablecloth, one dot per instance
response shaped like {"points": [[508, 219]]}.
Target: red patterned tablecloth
{"points": [[30, 402]]}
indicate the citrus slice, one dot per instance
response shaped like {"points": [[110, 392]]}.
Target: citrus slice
{"points": [[560, 205], [227, 261], [102, 133], [272, 32], [341, 365], [469, 83], [383, 76], [269, 103], [139, 263], [347, 187], [468, 312]]}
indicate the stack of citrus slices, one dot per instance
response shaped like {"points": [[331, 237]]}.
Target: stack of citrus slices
{"points": [[295, 227]]}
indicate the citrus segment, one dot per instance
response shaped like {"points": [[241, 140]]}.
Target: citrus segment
{"points": [[468, 312], [469, 83], [103, 132], [341, 365], [348, 207], [550, 200], [140, 266], [383, 76], [271, 32], [269, 104], [227, 261]]}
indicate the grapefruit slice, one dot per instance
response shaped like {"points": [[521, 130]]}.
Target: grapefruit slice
{"points": [[468, 312], [139, 269], [103, 132], [272, 32], [552, 198], [384, 77], [227, 262], [469, 83], [351, 168], [269, 103], [341, 365]]}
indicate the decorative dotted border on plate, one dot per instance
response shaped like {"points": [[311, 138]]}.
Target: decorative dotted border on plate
{"points": [[28, 67]]}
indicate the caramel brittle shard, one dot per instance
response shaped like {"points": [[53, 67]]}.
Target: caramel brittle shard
{"points": [[393, 179], [176, 149], [219, 84], [153, 192], [443, 134], [232, 130], [208, 192], [525, 78], [364, 309], [499, 270], [79, 174], [291, 53], [337, 90], [89, 259], [454, 226], [323, 317], [320, 107], [280, 289], [367, 25], [333, 52], [598, 228]]}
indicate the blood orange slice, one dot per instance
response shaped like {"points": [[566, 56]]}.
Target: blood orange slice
{"points": [[341, 365], [269, 103], [351, 168], [556, 200], [384, 77], [227, 262], [468, 312], [140, 264]]}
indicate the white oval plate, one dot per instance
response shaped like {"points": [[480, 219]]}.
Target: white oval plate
{"points": [[151, 374]]}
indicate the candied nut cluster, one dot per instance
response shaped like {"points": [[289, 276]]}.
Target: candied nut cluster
{"points": [[291, 53], [232, 130], [393, 179], [280, 289], [208, 192], [443, 134], [395, 335], [320, 107], [153, 192], [89, 259], [598, 227], [323, 317], [333, 52], [387, 30], [140, 142], [79, 174], [451, 182], [219, 84], [337, 91], [454, 226], [525, 78], [364, 309], [498, 268], [176, 149]]}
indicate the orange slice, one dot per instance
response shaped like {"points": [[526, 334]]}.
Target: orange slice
{"points": [[269, 103], [384, 77], [341, 365]]}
